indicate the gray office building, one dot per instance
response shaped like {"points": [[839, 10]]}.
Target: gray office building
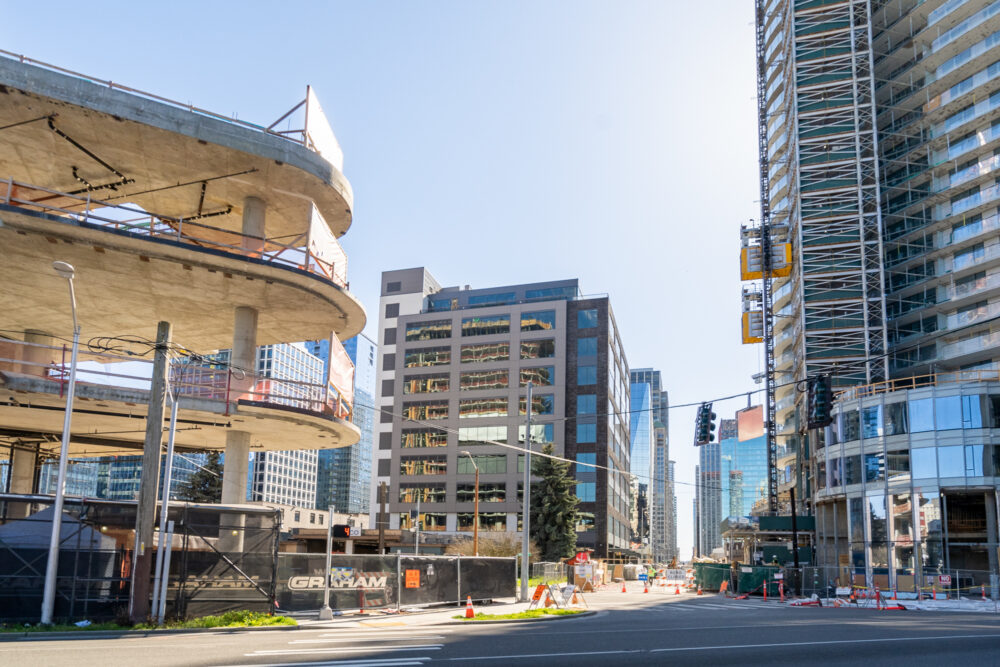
{"points": [[453, 368], [663, 512]]}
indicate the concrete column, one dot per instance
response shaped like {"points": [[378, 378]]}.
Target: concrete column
{"points": [[22, 478], [244, 356], [254, 228], [37, 358], [236, 468]]}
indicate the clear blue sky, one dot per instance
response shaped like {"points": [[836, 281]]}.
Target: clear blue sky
{"points": [[495, 143]]}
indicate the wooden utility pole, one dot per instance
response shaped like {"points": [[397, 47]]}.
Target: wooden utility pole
{"points": [[145, 511]]}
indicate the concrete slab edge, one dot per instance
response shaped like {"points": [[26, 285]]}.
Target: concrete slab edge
{"points": [[540, 619], [118, 634]]}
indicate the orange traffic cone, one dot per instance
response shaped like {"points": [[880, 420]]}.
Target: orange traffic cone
{"points": [[623, 587], [677, 591], [469, 611], [982, 591], [893, 592], [699, 590], [645, 587]]}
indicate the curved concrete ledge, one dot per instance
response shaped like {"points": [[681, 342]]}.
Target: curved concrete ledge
{"points": [[540, 619]]}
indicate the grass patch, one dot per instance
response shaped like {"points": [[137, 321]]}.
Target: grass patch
{"points": [[231, 619], [533, 613], [535, 581]]}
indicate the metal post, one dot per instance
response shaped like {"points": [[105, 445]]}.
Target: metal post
{"points": [[52, 566], [381, 518], [161, 609], [475, 523], [325, 613], [159, 571], [416, 538], [526, 502]]}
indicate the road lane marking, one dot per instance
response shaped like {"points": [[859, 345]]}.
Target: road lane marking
{"points": [[357, 639], [374, 662], [373, 649], [543, 655], [835, 641]]}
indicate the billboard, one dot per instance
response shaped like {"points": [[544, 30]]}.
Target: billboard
{"points": [[750, 423]]}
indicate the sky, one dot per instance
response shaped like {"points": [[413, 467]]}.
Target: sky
{"points": [[495, 142]]}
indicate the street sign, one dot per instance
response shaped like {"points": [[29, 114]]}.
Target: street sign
{"points": [[355, 531], [643, 576], [944, 579]]}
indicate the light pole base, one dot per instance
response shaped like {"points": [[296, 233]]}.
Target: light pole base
{"points": [[325, 614]]}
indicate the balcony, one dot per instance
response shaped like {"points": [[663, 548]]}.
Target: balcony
{"points": [[973, 287], [112, 394]]}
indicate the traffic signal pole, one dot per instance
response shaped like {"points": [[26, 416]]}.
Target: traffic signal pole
{"points": [[325, 613]]}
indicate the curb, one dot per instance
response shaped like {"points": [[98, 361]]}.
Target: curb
{"points": [[119, 634], [541, 619]]}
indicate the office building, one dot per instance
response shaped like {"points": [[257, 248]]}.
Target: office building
{"points": [[879, 166], [453, 368], [641, 461], [663, 526], [344, 475], [708, 497]]}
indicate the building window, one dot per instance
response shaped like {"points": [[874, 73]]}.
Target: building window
{"points": [[485, 352], [586, 319], [427, 410], [490, 522], [427, 356], [586, 492], [488, 493], [585, 522], [586, 404], [432, 330], [391, 310], [484, 300], [425, 384], [586, 375], [491, 379], [586, 347], [542, 320], [483, 407], [426, 493], [312, 517], [543, 404], [481, 435], [538, 349], [489, 464], [540, 433], [423, 465], [394, 286], [390, 336], [586, 432], [539, 376], [429, 521], [485, 326], [409, 439]]}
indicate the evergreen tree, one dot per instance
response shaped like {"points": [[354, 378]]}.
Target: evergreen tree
{"points": [[205, 485], [553, 508]]}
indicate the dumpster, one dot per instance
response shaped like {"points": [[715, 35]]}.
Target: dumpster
{"points": [[711, 575]]}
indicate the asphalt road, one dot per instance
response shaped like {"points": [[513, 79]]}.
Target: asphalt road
{"points": [[629, 629]]}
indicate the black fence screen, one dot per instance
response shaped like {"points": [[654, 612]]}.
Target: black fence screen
{"points": [[395, 581], [221, 559]]}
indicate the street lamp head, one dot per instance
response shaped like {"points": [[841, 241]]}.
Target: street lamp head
{"points": [[64, 269]]}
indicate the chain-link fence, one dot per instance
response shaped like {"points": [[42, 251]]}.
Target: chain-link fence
{"points": [[221, 558]]}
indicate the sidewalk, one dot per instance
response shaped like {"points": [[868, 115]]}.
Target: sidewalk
{"points": [[407, 616]]}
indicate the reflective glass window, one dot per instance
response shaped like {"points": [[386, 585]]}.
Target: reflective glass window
{"points": [[539, 376], [923, 463], [921, 415], [551, 293], [585, 521], [835, 472], [541, 404], [878, 525], [586, 492], [423, 465], [483, 407], [586, 404], [479, 435], [976, 463], [852, 469], [586, 347], [895, 418], [486, 325], [501, 299], [480, 352], [973, 409], [540, 433], [874, 467], [429, 521], [427, 356], [898, 464], [410, 439], [425, 384], [490, 492], [586, 432], [586, 375], [538, 349], [951, 461], [820, 475], [850, 428], [949, 412], [871, 421], [425, 410], [586, 318], [489, 379], [489, 464], [541, 320], [427, 493], [428, 330], [489, 522]]}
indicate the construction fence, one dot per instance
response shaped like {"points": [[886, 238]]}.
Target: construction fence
{"points": [[393, 581], [222, 558]]}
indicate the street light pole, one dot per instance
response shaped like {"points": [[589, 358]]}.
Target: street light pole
{"points": [[51, 568], [475, 520], [325, 613], [526, 502]]}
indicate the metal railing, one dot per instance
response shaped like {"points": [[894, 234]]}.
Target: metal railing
{"points": [[917, 381], [194, 380], [303, 252]]}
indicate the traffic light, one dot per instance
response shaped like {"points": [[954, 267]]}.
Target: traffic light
{"points": [[820, 400], [341, 531], [704, 424]]}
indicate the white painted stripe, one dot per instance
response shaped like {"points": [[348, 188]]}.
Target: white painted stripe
{"points": [[386, 662], [344, 649], [836, 641], [543, 655], [356, 639]]}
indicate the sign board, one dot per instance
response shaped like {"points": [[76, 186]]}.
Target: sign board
{"points": [[539, 591], [944, 579], [674, 576], [746, 570], [779, 576], [643, 576], [843, 590], [413, 578]]}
